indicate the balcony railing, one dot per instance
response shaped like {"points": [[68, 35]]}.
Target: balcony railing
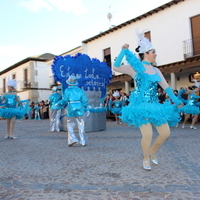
{"points": [[27, 84], [191, 47]]}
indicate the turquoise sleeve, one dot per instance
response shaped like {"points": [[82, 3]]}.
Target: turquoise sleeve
{"points": [[23, 101], [119, 58], [172, 96], [195, 96]]}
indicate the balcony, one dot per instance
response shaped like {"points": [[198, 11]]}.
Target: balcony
{"points": [[27, 84], [191, 47]]}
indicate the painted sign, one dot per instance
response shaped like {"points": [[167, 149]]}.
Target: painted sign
{"points": [[92, 74]]}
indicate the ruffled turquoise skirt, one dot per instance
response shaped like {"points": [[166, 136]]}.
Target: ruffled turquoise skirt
{"points": [[154, 113], [189, 109], [116, 111], [7, 113]]}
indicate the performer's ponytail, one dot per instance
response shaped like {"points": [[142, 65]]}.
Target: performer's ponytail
{"points": [[141, 55]]}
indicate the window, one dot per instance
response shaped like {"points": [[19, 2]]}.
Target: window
{"points": [[4, 85], [118, 89], [194, 76], [14, 76], [195, 24], [107, 56], [25, 77]]}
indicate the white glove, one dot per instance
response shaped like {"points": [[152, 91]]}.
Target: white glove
{"points": [[87, 113]]}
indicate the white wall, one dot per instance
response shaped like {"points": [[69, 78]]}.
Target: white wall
{"points": [[44, 94], [19, 73], [38, 72], [169, 28], [42, 74], [24, 95], [181, 80]]}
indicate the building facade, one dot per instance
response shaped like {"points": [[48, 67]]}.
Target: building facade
{"points": [[173, 28], [31, 75]]}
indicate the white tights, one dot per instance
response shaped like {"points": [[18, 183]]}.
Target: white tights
{"points": [[10, 126], [147, 133], [194, 119]]}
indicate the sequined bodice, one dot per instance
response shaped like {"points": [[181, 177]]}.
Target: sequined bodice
{"points": [[117, 104], [146, 87], [192, 100], [10, 100]]}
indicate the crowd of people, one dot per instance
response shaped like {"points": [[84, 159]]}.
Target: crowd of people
{"points": [[123, 100], [38, 110]]}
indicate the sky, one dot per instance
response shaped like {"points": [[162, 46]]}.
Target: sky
{"points": [[33, 27]]}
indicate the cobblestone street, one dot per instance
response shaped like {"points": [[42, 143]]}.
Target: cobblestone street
{"points": [[40, 165]]}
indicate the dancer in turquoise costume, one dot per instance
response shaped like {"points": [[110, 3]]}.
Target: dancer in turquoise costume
{"points": [[11, 111], [37, 111], [77, 104], [30, 112], [191, 107], [144, 109], [55, 109], [115, 106]]}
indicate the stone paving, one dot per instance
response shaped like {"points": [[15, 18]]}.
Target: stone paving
{"points": [[40, 165]]}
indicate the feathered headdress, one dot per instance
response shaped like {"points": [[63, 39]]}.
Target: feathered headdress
{"points": [[143, 42], [12, 83], [116, 94], [196, 83]]}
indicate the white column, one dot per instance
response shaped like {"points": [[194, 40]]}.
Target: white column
{"points": [[173, 81], [127, 87]]}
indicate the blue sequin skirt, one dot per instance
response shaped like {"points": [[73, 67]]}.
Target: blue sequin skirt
{"points": [[155, 113]]}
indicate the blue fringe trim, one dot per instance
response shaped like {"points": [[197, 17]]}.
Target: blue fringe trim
{"points": [[134, 61], [116, 111], [18, 112], [97, 110], [188, 109], [92, 110], [154, 113]]}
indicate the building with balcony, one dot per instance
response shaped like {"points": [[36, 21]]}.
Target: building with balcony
{"points": [[31, 75], [173, 28]]}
